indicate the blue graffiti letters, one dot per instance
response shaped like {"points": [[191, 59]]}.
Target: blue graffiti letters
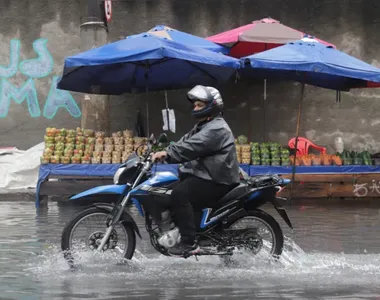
{"points": [[39, 67], [28, 91], [60, 98], [11, 70]]}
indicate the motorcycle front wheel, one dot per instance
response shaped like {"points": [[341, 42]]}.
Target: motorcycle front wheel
{"points": [[91, 223]]}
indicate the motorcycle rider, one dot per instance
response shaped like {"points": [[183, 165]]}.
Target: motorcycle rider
{"points": [[210, 168]]}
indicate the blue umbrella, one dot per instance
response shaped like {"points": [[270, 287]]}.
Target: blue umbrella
{"points": [[310, 62], [187, 39], [142, 63]]}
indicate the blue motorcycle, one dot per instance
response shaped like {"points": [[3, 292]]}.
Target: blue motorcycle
{"points": [[236, 222]]}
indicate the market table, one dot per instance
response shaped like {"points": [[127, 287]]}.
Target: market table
{"points": [[83, 173], [314, 181]]}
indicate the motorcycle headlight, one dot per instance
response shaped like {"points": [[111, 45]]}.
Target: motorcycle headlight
{"points": [[117, 175]]}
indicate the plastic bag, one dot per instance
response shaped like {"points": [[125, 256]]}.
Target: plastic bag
{"points": [[165, 114]]}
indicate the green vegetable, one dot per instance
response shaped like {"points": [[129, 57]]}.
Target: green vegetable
{"points": [[256, 152], [242, 140], [256, 161], [255, 146], [357, 161], [285, 162], [366, 156], [274, 147], [275, 153], [285, 152]]}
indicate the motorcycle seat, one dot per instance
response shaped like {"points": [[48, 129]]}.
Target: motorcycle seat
{"points": [[234, 194], [262, 180]]}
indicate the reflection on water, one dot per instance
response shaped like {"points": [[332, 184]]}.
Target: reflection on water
{"points": [[333, 253]]}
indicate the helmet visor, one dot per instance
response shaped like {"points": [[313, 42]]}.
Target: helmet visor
{"points": [[198, 93]]}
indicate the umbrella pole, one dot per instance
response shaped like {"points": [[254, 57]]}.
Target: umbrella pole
{"points": [[167, 109], [147, 117], [264, 110], [297, 134]]}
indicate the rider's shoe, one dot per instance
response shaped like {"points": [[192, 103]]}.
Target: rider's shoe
{"points": [[185, 250]]}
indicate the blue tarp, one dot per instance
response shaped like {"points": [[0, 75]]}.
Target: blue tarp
{"points": [[143, 63], [108, 170], [262, 170], [312, 63], [187, 39]]}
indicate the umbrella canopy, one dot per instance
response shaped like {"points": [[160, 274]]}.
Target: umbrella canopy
{"points": [[142, 63], [311, 62], [258, 36], [187, 39]]}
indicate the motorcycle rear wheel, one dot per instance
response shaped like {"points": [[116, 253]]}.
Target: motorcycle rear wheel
{"points": [[96, 235], [270, 223]]}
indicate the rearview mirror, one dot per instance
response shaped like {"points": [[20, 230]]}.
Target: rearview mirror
{"points": [[152, 139], [163, 138]]}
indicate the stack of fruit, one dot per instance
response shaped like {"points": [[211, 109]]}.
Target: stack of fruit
{"points": [[285, 160], [261, 153], [243, 150], [68, 146], [256, 154], [356, 158], [87, 146], [269, 154], [316, 160]]}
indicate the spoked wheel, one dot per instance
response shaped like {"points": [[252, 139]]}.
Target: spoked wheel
{"points": [[86, 230], [256, 233]]}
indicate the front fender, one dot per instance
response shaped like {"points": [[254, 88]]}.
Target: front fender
{"points": [[126, 217], [103, 189]]}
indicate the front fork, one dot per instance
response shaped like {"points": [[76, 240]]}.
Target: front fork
{"points": [[120, 211], [113, 222]]}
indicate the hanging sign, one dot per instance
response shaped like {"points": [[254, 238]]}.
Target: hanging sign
{"points": [[108, 9]]}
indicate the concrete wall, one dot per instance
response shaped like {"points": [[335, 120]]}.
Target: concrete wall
{"points": [[52, 27]]}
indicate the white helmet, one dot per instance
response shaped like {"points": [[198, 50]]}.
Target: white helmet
{"points": [[210, 96]]}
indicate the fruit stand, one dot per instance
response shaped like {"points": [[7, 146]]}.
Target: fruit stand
{"points": [[76, 160]]}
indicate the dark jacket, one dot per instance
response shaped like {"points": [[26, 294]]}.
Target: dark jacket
{"points": [[208, 151]]}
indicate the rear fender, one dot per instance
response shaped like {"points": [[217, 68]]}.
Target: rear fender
{"points": [[103, 189], [281, 210], [125, 218]]}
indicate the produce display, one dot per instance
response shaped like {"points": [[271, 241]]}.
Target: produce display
{"points": [[86, 146], [265, 154], [356, 158], [316, 160], [273, 154]]}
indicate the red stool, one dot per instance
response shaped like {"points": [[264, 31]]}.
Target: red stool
{"points": [[303, 146]]}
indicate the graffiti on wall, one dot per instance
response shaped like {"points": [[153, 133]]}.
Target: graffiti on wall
{"points": [[40, 67]]}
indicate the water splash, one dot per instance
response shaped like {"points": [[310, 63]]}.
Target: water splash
{"points": [[294, 264]]}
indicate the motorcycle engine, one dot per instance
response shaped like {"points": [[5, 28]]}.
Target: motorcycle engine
{"points": [[170, 238]]}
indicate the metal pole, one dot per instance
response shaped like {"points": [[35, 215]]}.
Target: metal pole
{"points": [[147, 117], [265, 111], [297, 134], [167, 109], [94, 33]]}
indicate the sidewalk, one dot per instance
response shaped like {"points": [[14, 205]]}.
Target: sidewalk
{"points": [[18, 195]]}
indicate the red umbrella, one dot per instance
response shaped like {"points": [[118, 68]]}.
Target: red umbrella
{"points": [[258, 36]]}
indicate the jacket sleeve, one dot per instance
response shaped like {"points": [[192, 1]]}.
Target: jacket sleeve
{"points": [[203, 143]]}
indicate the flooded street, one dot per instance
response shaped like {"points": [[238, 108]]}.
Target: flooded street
{"points": [[333, 253]]}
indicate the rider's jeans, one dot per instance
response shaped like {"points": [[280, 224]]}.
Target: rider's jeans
{"points": [[194, 193]]}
